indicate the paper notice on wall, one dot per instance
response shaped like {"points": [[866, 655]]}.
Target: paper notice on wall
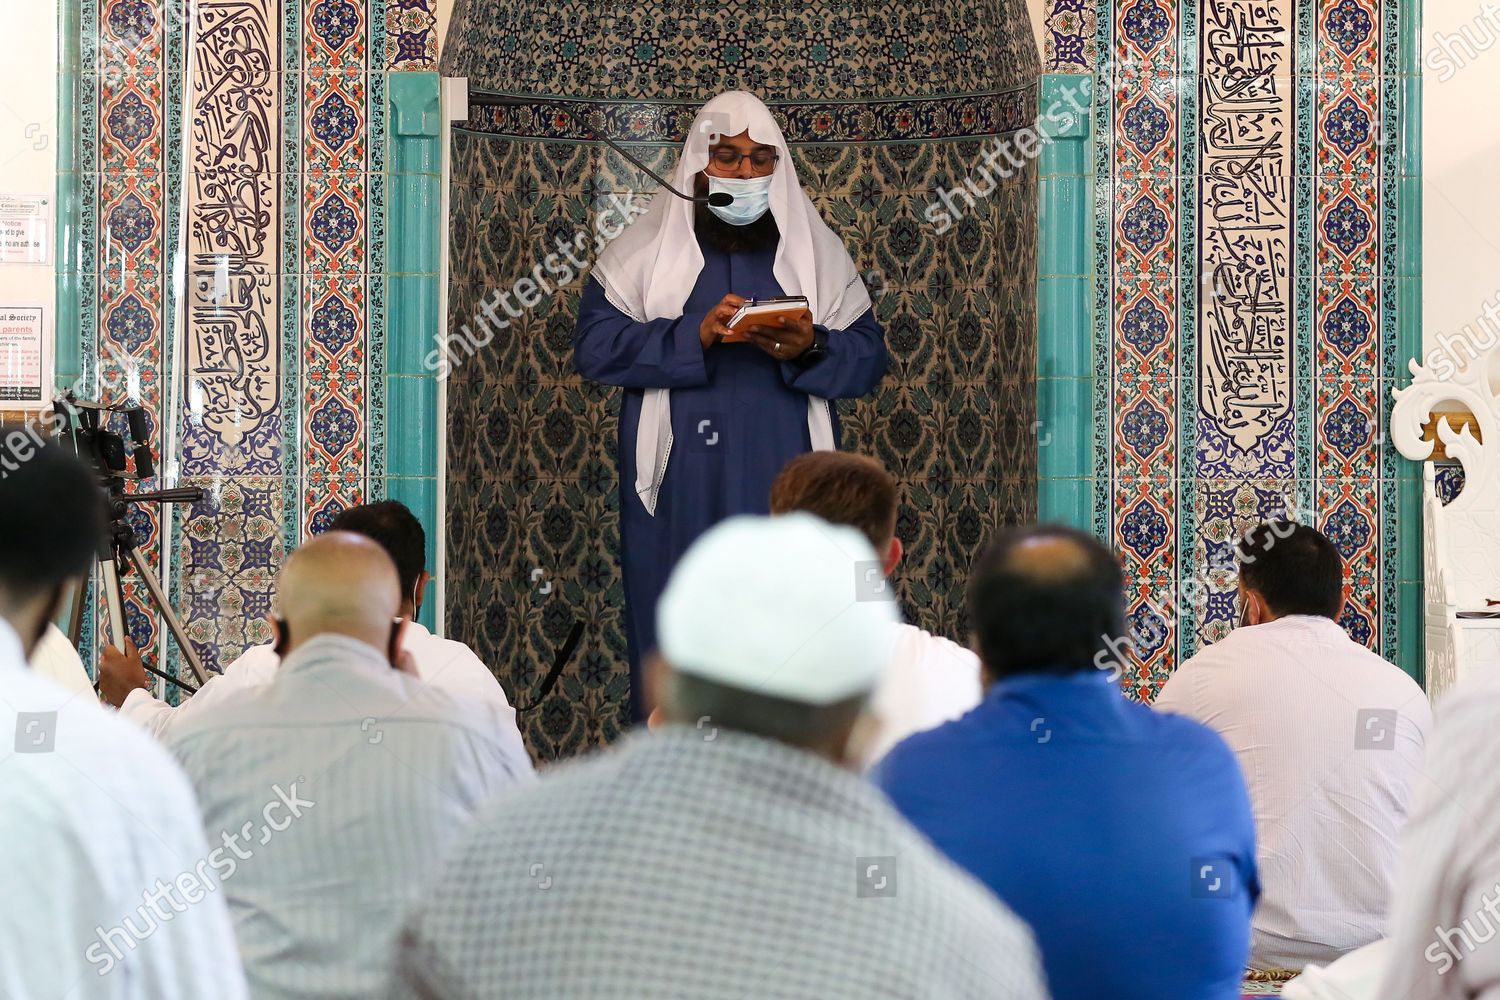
{"points": [[22, 355], [25, 229]]}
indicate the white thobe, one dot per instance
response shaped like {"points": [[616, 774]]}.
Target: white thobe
{"points": [[102, 884], [1445, 923], [1329, 737], [930, 680], [445, 664]]}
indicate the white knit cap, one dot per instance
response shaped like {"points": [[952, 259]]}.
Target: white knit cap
{"points": [[789, 606]]}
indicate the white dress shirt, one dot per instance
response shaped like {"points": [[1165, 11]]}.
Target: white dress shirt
{"points": [[54, 658], [443, 663], [1329, 737], [1445, 922], [104, 852], [930, 681], [342, 783]]}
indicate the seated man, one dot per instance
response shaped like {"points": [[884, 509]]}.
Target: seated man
{"points": [[1329, 737], [1121, 835], [728, 853], [444, 663], [930, 679], [107, 883], [1445, 914], [343, 782]]}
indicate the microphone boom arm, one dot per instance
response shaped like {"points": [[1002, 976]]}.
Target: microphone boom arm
{"points": [[487, 99]]}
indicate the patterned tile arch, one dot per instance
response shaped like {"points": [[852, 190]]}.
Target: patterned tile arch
{"points": [[1245, 260], [280, 207]]}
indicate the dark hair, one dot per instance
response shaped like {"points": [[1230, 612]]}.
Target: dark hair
{"points": [[794, 723], [392, 524], [841, 488], [51, 514], [1048, 615], [1294, 567]]}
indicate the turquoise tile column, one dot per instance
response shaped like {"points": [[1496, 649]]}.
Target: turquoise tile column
{"points": [[1410, 638], [67, 333], [414, 228], [1065, 296]]}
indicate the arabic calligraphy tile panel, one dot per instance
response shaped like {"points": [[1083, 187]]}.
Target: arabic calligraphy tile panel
{"points": [[1299, 234], [231, 437], [251, 310]]}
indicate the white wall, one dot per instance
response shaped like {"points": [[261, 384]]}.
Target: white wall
{"points": [[1461, 166], [28, 135], [444, 14]]}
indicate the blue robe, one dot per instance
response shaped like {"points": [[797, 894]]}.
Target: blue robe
{"points": [[738, 416]]}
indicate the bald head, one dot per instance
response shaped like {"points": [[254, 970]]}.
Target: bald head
{"points": [[1045, 599], [342, 583]]}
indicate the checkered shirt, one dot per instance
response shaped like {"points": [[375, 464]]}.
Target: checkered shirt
{"points": [[699, 863]]}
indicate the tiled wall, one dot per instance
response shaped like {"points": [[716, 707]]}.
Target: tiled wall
{"points": [[532, 491], [241, 148], [1253, 190]]}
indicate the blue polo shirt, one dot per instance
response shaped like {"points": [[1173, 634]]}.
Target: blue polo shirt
{"points": [[1122, 835]]}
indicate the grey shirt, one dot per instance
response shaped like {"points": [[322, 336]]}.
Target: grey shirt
{"points": [[700, 863], [332, 796]]}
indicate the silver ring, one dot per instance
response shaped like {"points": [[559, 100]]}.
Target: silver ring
{"points": [[777, 348]]}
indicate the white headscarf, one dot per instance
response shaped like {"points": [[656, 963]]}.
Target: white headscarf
{"points": [[651, 268]]}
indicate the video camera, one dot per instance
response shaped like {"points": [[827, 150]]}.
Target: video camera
{"points": [[85, 423]]}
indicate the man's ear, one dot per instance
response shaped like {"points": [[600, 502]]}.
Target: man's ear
{"points": [[985, 679], [419, 592], [1256, 610], [893, 555], [657, 676], [393, 651], [281, 638], [49, 608]]}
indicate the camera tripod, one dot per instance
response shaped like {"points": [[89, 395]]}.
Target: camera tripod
{"points": [[118, 555]]}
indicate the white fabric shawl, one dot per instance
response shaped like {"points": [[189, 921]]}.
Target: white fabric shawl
{"points": [[651, 268]]}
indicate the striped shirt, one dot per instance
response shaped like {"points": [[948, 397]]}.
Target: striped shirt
{"points": [[336, 790], [103, 884], [704, 864]]}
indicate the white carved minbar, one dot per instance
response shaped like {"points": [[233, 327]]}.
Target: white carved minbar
{"points": [[1460, 540]]}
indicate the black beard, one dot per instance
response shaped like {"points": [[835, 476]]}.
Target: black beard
{"points": [[725, 238]]}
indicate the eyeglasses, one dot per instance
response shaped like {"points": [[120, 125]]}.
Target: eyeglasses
{"points": [[763, 161]]}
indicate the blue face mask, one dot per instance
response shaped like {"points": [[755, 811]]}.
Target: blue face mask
{"points": [[752, 198]]}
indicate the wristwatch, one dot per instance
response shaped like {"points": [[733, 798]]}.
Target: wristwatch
{"points": [[816, 351]]}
